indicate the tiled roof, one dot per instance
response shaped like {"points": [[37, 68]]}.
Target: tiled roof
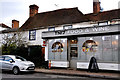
{"points": [[104, 16], [67, 16], [9, 30], [57, 17], [4, 26]]}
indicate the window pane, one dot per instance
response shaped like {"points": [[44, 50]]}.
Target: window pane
{"points": [[1, 58], [7, 59], [64, 53], [57, 49], [107, 48], [67, 27], [32, 35], [98, 53], [81, 54], [115, 48], [89, 47], [51, 29]]}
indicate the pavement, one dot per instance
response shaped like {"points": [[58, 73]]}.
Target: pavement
{"points": [[81, 73]]}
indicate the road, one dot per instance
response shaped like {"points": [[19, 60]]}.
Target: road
{"points": [[42, 76]]}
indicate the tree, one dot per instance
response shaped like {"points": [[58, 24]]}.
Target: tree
{"points": [[12, 41]]}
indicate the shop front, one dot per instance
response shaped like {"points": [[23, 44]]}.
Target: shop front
{"points": [[74, 48]]}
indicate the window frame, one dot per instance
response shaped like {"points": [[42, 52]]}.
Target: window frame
{"points": [[68, 26], [1, 58], [102, 23], [8, 59], [50, 28], [31, 34]]}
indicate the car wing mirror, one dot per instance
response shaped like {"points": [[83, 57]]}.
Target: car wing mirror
{"points": [[10, 61]]}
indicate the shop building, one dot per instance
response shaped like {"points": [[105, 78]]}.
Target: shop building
{"points": [[70, 38], [74, 47]]}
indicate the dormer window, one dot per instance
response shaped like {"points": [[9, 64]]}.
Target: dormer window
{"points": [[51, 29], [32, 35], [67, 27], [103, 23]]}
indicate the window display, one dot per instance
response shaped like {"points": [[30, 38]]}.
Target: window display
{"points": [[104, 48], [89, 45], [57, 49]]}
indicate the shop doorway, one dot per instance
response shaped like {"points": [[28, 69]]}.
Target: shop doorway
{"points": [[73, 51]]}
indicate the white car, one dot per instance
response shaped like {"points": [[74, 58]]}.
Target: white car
{"points": [[15, 64]]}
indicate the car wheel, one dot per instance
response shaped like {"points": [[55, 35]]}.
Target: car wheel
{"points": [[15, 70]]}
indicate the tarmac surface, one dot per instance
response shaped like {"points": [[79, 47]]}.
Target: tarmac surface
{"points": [[82, 73]]}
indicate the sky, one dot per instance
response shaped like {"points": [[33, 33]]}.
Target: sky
{"points": [[19, 9]]}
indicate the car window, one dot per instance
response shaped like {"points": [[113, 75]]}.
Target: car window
{"points": [[1, 58], [20, 58], [7, 58]]}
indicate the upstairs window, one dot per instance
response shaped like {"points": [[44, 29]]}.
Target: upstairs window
{"points": [[67, 26], [32, 35], [51, 29], [103, 23]]}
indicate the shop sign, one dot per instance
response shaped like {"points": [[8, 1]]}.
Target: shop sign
{"points": [[79, 31]]}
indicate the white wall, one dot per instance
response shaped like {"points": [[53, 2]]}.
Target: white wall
{"points": [[38, 41], [0, 40]]}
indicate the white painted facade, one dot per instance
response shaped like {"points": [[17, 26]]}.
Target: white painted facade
{"points": [[2, 28], [39, 41]]}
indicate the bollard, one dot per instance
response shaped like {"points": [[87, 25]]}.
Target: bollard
{"points": [[49, 64]]}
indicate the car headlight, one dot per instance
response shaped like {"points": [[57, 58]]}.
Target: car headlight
{"points": [[31, 65]]}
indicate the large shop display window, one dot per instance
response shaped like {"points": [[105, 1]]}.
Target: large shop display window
{"points": [[57, 49], [104, 48]]}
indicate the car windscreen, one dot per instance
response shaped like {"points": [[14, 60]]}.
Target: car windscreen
{"points": [[1, 58], [20, 58]]}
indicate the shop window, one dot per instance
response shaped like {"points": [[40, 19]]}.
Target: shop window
{"points": [[51, 29], [115, 48], [89, 46], [32, 35], [67, 27], [57, 47], [107, 48]]}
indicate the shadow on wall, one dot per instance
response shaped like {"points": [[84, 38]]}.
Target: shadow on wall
{"points": [[36, 55]]}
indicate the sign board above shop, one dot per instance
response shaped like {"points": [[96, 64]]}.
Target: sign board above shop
{"points": [[81, 31]]}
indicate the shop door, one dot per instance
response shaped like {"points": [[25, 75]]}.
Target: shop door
{"points": [[73, 50]]}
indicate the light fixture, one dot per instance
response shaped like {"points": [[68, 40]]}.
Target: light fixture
{"points": [[116, 37], [103, 38], [91, 38]]}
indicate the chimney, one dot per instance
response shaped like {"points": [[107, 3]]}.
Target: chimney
{"points": [[96, 6], [15, 24], [33, 10]]}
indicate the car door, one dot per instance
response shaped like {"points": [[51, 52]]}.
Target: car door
{"points": [[7, 64], [1, 62]]}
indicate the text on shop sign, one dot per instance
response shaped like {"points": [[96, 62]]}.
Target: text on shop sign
{"points": [[85, 30]]}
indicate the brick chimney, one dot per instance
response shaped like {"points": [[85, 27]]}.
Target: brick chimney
{"points": [[96, 6], [15, 24], [33, 10]]}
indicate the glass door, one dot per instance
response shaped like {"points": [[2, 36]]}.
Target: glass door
{"points": [[73, 49], [73, 53]]}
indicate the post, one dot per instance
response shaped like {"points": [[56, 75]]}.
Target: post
{"points": [[49, 64]]}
